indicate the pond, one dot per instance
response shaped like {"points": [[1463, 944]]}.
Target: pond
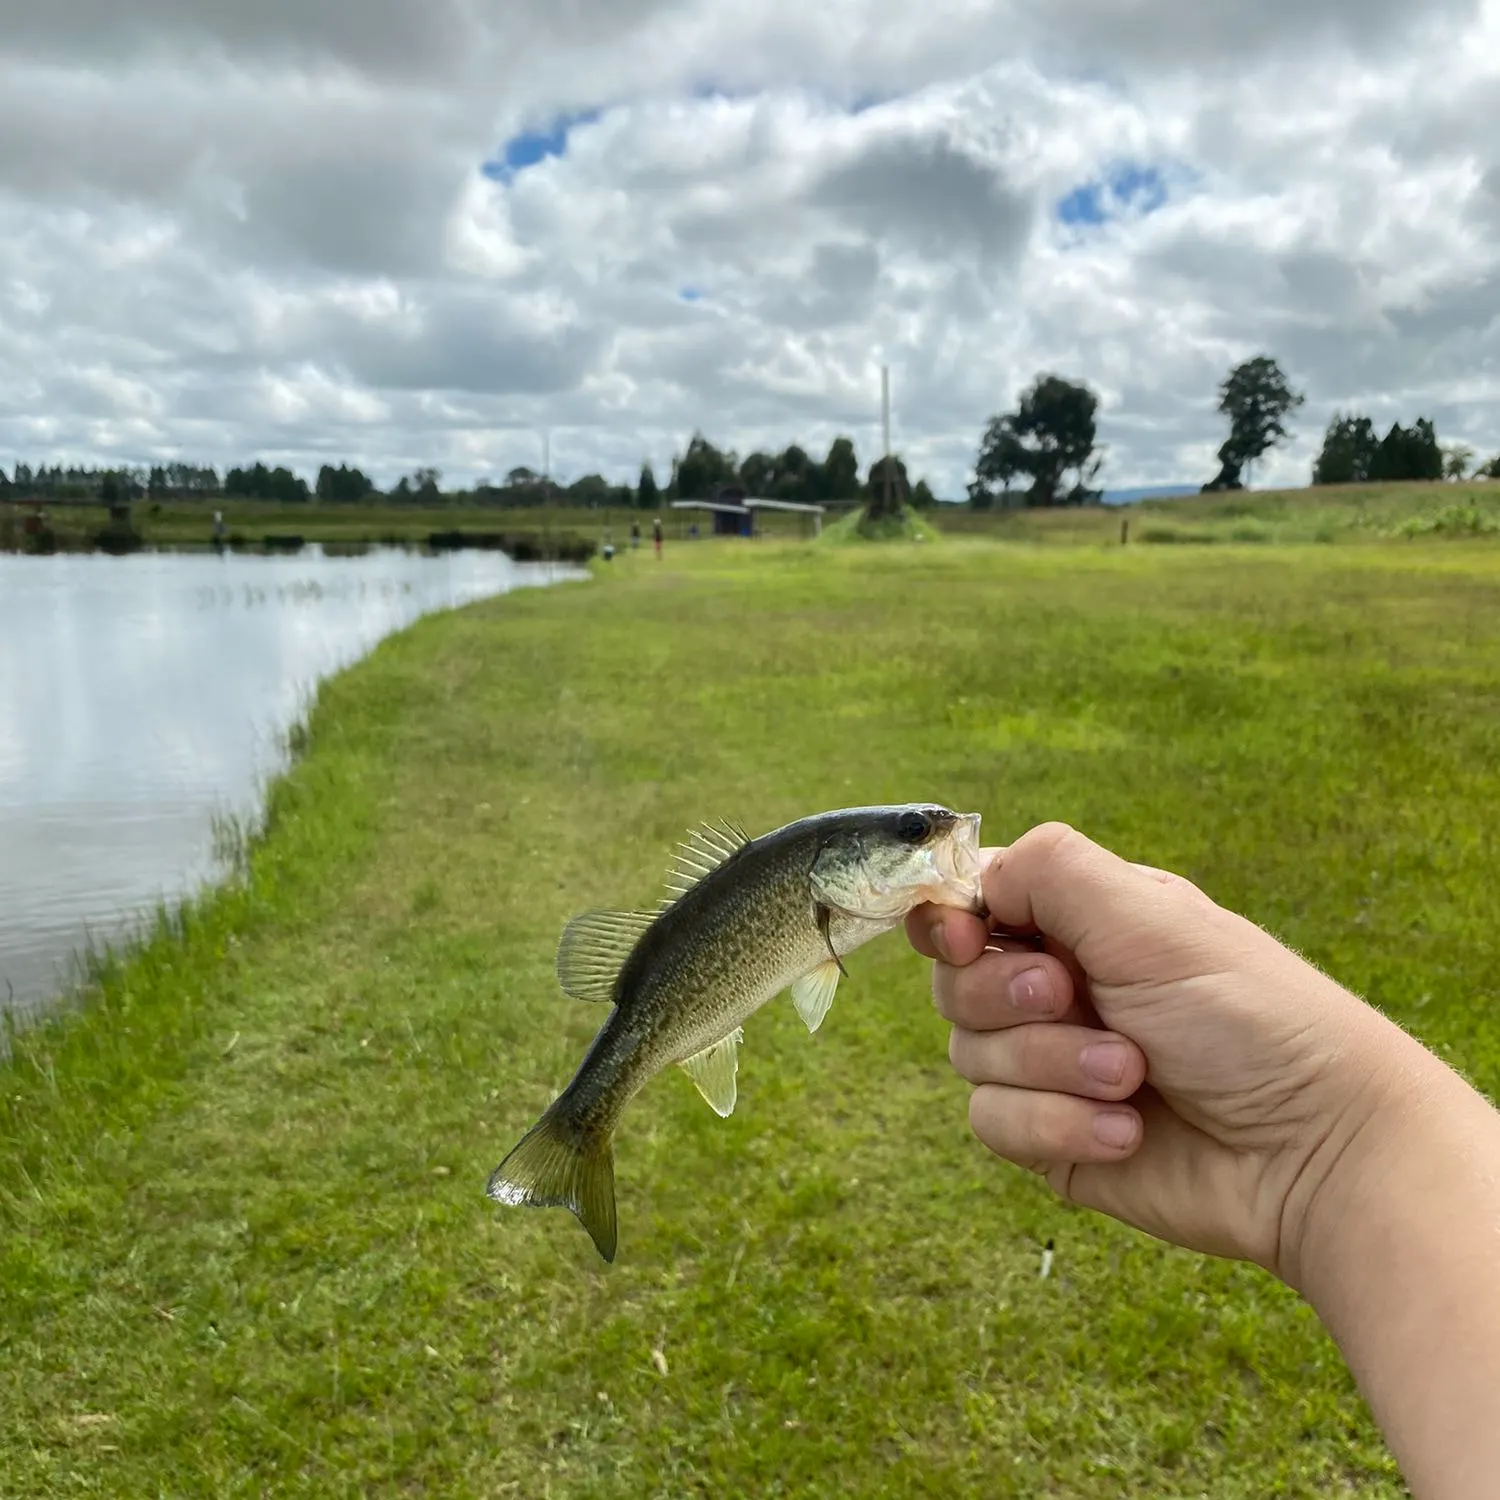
{"points": [[142, 698]]}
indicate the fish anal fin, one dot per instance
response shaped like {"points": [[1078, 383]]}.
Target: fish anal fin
{"points": [[704, 850], [593, 949], [713, 1072], [557, 1165], [813, 993]]}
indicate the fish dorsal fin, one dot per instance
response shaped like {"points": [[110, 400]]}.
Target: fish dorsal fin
{"points": [[713, 1071], [593, 950], [813, 993], [706, 848]]}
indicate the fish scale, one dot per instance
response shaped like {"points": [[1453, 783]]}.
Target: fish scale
{"points": [[752, 917]]}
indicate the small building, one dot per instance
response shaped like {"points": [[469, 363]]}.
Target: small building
{"points": [[734, 511]]}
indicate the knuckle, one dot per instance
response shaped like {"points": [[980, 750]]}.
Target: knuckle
{"points": [[942, 989], [1033, 1045], [1055, 838], [966, 992], [958, 1047]]}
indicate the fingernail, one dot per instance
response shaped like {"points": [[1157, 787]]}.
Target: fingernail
{"points": [[1104, 1062], [939, 935], [1114, 1129], [1032, 990]]}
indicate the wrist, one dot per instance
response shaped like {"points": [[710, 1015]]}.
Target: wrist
{"points": [[1398, 1254], [1374, 1158]]}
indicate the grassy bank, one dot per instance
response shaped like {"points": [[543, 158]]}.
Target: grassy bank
{"points": [[250, 522], [244, 1248], [1340, 513]]}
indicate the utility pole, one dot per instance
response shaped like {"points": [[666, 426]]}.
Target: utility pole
{"points": [[885, 424]]}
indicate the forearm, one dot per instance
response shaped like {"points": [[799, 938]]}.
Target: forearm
{"points": [[1401, 1260]]}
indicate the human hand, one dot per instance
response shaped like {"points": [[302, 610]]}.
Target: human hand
{"points": [[1164, 1060]]}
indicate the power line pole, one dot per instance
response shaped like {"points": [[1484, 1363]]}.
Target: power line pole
{"points": [[885, 424]]}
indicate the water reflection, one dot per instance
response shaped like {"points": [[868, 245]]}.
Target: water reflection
{"points": [[141, 696]]}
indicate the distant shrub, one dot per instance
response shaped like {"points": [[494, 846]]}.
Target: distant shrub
{"points": [[1451, 520]]}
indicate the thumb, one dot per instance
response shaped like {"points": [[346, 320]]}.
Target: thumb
{"points": [[1123, 922]]}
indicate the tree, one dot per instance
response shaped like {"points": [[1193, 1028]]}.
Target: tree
{"points": [[1456, 460], [1051, 433], [1002, 460], [261, 483], [590, 490], [1408, 453], [647, 495], [1349, 449], [1491, 470], [758, 475], [343, 485], [702, 469], [922, 497], [841, 471], [878, 505], [1255, 396], [798, 477]]}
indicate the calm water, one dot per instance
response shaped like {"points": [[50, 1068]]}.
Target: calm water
{"points": [[140, 697]]}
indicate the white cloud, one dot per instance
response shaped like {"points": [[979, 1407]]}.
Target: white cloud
{"points": [[231, 231]]}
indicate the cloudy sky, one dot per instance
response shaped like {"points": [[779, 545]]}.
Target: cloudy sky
{"points": [[408, 232]]}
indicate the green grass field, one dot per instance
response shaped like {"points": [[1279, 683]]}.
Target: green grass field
{"points": [[1340, 513], [244, 1243]]}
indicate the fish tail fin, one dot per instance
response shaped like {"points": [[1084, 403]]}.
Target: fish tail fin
{"points": [[559, 1164]]}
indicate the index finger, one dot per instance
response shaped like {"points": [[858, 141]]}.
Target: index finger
{"points": [[947, 934]]}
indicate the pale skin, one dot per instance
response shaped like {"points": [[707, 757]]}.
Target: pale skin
{"points": [[1168, 1063]]}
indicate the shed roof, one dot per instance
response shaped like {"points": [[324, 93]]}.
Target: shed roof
{"points": [[748, 504], [733, 510]]}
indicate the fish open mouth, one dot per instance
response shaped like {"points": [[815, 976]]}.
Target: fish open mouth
{"points": [[958, 866]]}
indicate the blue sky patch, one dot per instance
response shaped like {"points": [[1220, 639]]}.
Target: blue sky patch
{"points": [[690, 294], [1125, 187], [533, 146]]}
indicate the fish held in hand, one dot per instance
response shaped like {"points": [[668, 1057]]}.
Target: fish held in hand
{"points": [[746, 919]]}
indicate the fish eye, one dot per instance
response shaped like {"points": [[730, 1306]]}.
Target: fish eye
{"points": [[913, 827]]}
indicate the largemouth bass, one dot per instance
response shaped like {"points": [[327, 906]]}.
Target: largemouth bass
{"points": [[746, 919]]}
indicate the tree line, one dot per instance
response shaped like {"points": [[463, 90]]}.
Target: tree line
{"points": [[1046, 452], [701, 472]]}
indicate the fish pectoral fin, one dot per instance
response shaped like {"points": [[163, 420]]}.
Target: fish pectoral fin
{"points": [[813, 993], [713, 1070], [593, 949]]}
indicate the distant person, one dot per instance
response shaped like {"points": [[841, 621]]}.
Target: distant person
{"points": [[1286, 1122], [635, 535], [218, 525], [656, 537], [693, 532]]}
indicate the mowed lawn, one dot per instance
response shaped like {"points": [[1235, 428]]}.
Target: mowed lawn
{"points": [[244, 1243]]}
